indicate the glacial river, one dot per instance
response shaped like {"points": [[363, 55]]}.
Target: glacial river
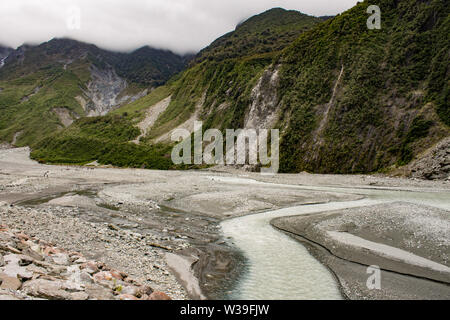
{"points": [[280, 267]]}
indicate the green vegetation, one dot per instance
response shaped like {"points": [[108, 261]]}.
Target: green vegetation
{"points": [[267, 32], [389, 75], [148, 66], [105, 139], [155, 96], [85, 140], [26, 103], [419, 129]]}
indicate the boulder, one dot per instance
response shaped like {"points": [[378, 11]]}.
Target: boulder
{"points": [[61, 259], [90, 267], [97, 292], [127, 297], [14, 269], [103, 276], [47, 289], [157, 295], [129, 290], [7, 282], [79, 296]]}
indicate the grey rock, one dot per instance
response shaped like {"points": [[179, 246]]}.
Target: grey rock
{"points": [[61, 259], [97, 292], [47, 289], [79, 295], [13, 269]]}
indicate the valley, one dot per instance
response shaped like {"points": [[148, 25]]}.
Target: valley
{"points": [[94, 204]]}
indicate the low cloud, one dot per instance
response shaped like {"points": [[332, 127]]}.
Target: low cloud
{"points": [[179, 25]]}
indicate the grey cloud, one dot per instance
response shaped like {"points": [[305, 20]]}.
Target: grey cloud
{"points": [[179, 25]]}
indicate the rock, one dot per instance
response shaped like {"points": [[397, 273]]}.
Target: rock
{"points": [[86, 277], [144, 291], [36, 270], [97, 292], [103, 276], [157, 295], [32, 254], [22, 236], [8, 282], [25, 260], [90, 267], [113, 227], [7, 297], [73, 275], [13, 269], [79, 296], [129, 290], [116, 274], [52, 269], [127, 297], [79, 260], [8, 248], [2, 261], [61, 258], [52, 290], [48, 250]]}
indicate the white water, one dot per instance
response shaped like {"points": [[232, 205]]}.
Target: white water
{"points": [[279, 267]]}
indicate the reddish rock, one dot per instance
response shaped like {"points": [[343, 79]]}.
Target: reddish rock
{"points": [[49, 250], [102, 276], [157, 295], [116, 274], [22, 236], [127, 297]]}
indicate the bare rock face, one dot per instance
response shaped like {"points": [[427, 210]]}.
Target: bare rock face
{"points": [[435, 165], [264, 108], [103, 91], [33, 269]]}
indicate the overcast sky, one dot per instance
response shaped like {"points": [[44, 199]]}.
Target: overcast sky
{"points": [[179, 25]]}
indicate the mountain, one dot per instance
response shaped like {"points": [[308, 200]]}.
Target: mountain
{"points": [[149, 66], [267, 32], [48, 86], [225, 70], [345, 98]]}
